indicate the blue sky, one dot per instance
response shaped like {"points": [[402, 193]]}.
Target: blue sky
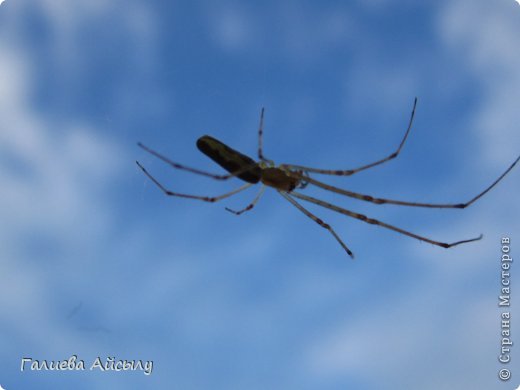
{"points": [[95, 261]]}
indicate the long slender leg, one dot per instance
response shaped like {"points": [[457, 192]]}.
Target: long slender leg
{"points": [[372, 199], [261, 140], [193, 170], [210, 199], [317, 220], [250, 205], [372, 221], [349, 172]]}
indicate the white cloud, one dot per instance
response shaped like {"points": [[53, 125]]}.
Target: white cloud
{"points": [[233, 28], [55, 172], [50, 172], [55, 176], [484, 35], [401, 342], [299, 35]]}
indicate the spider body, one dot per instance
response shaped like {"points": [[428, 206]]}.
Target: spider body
{"points": [[286, 178], [281, 179], [246, 168]]}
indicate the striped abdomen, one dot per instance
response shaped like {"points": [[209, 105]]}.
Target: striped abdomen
{"points": [[229, 159]]}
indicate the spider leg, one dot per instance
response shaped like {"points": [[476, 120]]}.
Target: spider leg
{"points": [[372, 199], [250, 205], [210, 199], [317, 220], [193, 170], [372, 221], [261, 140], [349, 172]]}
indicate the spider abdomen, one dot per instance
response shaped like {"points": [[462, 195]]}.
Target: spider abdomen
{"points": [[229, 159]]}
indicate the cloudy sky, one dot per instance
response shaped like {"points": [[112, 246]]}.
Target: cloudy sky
{"points": [[96, 262]]}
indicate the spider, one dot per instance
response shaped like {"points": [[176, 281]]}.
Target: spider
{"points": [[285, 178]]}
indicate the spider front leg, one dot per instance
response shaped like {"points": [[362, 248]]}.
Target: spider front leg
{"points": [[260, 140], [369, 198], [348, 172]]}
